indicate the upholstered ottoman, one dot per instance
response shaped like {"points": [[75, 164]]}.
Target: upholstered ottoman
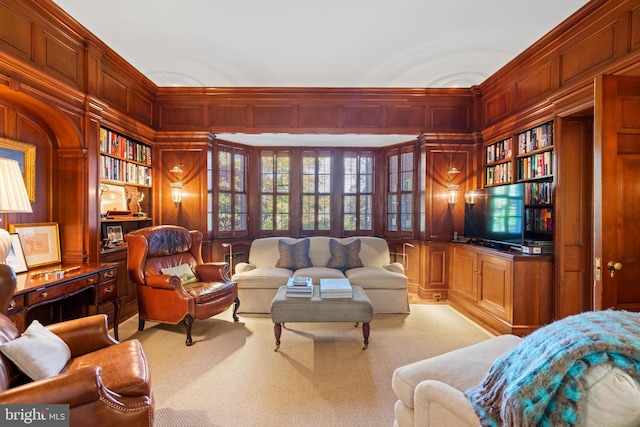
{"points": [[315, 309]]}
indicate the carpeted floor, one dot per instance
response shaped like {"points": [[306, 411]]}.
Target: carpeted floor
{"points": [[231, 376]]}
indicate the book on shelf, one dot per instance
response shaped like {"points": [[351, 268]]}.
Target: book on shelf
{"points": [[335, 288]]}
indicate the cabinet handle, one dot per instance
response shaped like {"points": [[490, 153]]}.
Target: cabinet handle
{"points": [[44, 295], [109, 289], [109, 273], [12, 304], [91, 280]]}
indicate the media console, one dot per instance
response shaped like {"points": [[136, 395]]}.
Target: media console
{"points": [[507, 292]]}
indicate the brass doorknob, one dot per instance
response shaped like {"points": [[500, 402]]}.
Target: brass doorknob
{"points": [[614, 266]]}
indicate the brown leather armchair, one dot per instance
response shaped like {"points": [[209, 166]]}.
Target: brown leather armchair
{"points": [[162, 297], [105, 383]]}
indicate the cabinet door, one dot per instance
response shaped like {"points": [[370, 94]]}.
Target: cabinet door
{"points": [[496, 290], [465, 272]]}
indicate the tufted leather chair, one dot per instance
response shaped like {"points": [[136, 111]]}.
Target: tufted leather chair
{"points": [[163, 298]]}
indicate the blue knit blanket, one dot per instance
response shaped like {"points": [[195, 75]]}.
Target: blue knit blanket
{"points": [[537, 383]]}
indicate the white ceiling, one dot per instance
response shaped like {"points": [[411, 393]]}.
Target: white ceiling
{"points": [[328, 43]]}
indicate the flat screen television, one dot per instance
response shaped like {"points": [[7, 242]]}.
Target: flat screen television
{"points": [[496, 217]]}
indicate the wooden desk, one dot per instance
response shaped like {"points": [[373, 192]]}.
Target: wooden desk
{"points": [[91, 284]]}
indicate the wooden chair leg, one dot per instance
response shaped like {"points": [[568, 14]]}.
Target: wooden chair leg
{"points": [[188, 321], [140, 324]]}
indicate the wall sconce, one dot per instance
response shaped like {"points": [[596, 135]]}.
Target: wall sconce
{"points": [[452, 196], [176, 187], [470, 197], [405, 260], [452, 189], [230, 246]]}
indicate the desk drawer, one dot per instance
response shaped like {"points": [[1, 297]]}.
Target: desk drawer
{"points": [[110, 274], [107, 291], [16, 305], [60, 290]]}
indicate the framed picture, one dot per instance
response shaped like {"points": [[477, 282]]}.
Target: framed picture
{"points": [[114, 233], [40, 242], [16, 257], [112, 198], [25, 155]]}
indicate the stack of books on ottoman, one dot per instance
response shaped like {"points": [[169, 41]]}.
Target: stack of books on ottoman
{"points": [[335, 288], [299, 286]]}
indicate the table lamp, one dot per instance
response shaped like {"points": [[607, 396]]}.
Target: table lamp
{"points": [[13, 199]]}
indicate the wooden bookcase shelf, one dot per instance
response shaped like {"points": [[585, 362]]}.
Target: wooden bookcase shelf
{"points": [[526, 157]]}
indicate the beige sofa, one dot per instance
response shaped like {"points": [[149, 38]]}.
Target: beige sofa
{"points": [[431, 392], [384, 283]]}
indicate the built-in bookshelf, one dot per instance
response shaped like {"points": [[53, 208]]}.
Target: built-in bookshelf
{"points": [[125, 176], [124, 160], [499, 162], [534, 165], [528, 158]]}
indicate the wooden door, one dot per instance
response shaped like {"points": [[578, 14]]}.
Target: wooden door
{"points": [[617, 192]]}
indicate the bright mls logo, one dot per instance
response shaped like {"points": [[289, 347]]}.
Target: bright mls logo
{"points": [[34, 415]]}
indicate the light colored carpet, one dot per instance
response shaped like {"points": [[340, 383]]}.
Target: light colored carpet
{"points": [[231, 376]]}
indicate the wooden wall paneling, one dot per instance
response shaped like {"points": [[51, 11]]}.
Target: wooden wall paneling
{"points": [[595, 50], [327, 110], [434, 270], [16, 32], [441, 219], [190, 150], [573, 197], [70, 206]]}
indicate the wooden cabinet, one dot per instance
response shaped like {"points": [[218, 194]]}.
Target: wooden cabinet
{"points": [[506, 292]]}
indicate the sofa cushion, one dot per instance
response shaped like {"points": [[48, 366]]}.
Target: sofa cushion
{"points": [[461, 368], [183, 271], [344, 257], [376, 278], [317, 273], [294, 255], [263, 278], [612, 398], [39, 353]]}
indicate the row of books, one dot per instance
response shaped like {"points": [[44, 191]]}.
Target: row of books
{"points": [[119, 145], [500, 150], [535, 166], [536, 138], [119, 170], [298, 286], [536, 193], [499, 174], [539, 220]]}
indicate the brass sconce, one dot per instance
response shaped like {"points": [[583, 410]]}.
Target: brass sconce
{"points": [[470, 197], [452, 189], [176, 187]]}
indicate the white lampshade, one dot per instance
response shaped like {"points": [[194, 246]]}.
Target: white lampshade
{"points": [[13, 199], [13, 193]]}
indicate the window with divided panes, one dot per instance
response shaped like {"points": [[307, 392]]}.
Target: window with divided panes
{"points": [[232, 191], [358, 192], [275, 191], [400, 188], [316, 191]]}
